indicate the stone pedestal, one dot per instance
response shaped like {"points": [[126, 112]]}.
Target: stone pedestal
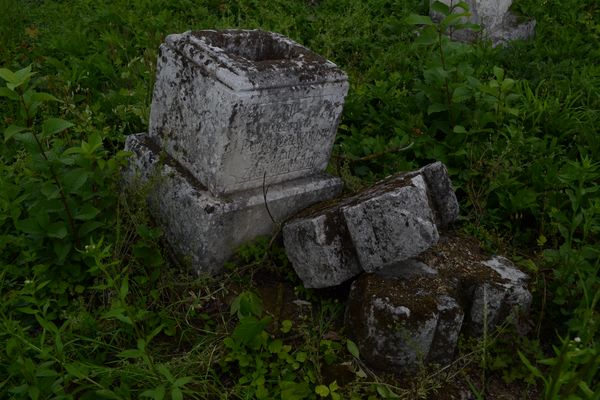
{"points": [[242, 124]]}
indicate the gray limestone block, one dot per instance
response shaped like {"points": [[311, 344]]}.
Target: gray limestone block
{"points": [[497, 298], [381, 226], [488, 288], [320, 249], [399, 324], [441, 192], [237, 108], [393, 226], [451, 316], [202, 229]]}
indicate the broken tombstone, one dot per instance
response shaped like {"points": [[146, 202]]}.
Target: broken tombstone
{"points": [[499, 24], [394, 220], [413, 312], [241, 128], [400, 319]]}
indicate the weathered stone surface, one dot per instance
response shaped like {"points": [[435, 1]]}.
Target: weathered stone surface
{"points": [[392, 221], [399, 323], [439, 186], [235, 106], [204, 229], [488, 288], [414, 311], [392, 226], [499, 24], [320, 249], [492, 302]]}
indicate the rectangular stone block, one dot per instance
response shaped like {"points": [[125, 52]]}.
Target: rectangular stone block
{"points": [[393, 226], [231, 106], [392, 221], [204, 229], [320, 249]]}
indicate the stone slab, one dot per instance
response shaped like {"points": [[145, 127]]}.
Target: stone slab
{"points": [[203, 229], [399, 324], [235, 107], [389, 222], [494, 301], [320, 250], [413, 312], [391, 227], [440, 190]]}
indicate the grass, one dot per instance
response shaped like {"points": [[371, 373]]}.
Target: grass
{"points": [[91, 306]]}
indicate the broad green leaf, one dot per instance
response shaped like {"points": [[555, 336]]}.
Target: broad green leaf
{"points": [[440, 7], [30, 226], [461, 93], [24, 74], [57, 230], [6, 92], [74, 180], [8, 75], [118, 313], [415, 19], [131, 353], [158, 393], [286, 326], [180, 382], [275, 346], [42, 96], [176, 394], [87, 212], [427, 36], [77, 369], [248, 328], [352, 348], [55, 125], [12, 130], [49, 190], [459, 129], [164, 371], [498, 73], [454, 20], [462, 5], [322, 390], [436, 107], [89, 226]]}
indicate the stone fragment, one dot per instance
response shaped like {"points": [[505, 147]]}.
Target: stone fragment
{"points": [[399, 324], [320, 249], [493, 301], [204, 229], [391, 227], [499, 24], [384, 224], [392, 221], [243, 108], [441, 193], [489, 289], [414, 311]]}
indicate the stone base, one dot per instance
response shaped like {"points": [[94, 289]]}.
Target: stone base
{"points": [[203, 229]]}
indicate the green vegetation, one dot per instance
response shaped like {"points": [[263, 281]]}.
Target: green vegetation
{"points": [[91, 306]]}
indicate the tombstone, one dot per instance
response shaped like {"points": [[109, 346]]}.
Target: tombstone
{"points": [[499, 24], [242, 124]]}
